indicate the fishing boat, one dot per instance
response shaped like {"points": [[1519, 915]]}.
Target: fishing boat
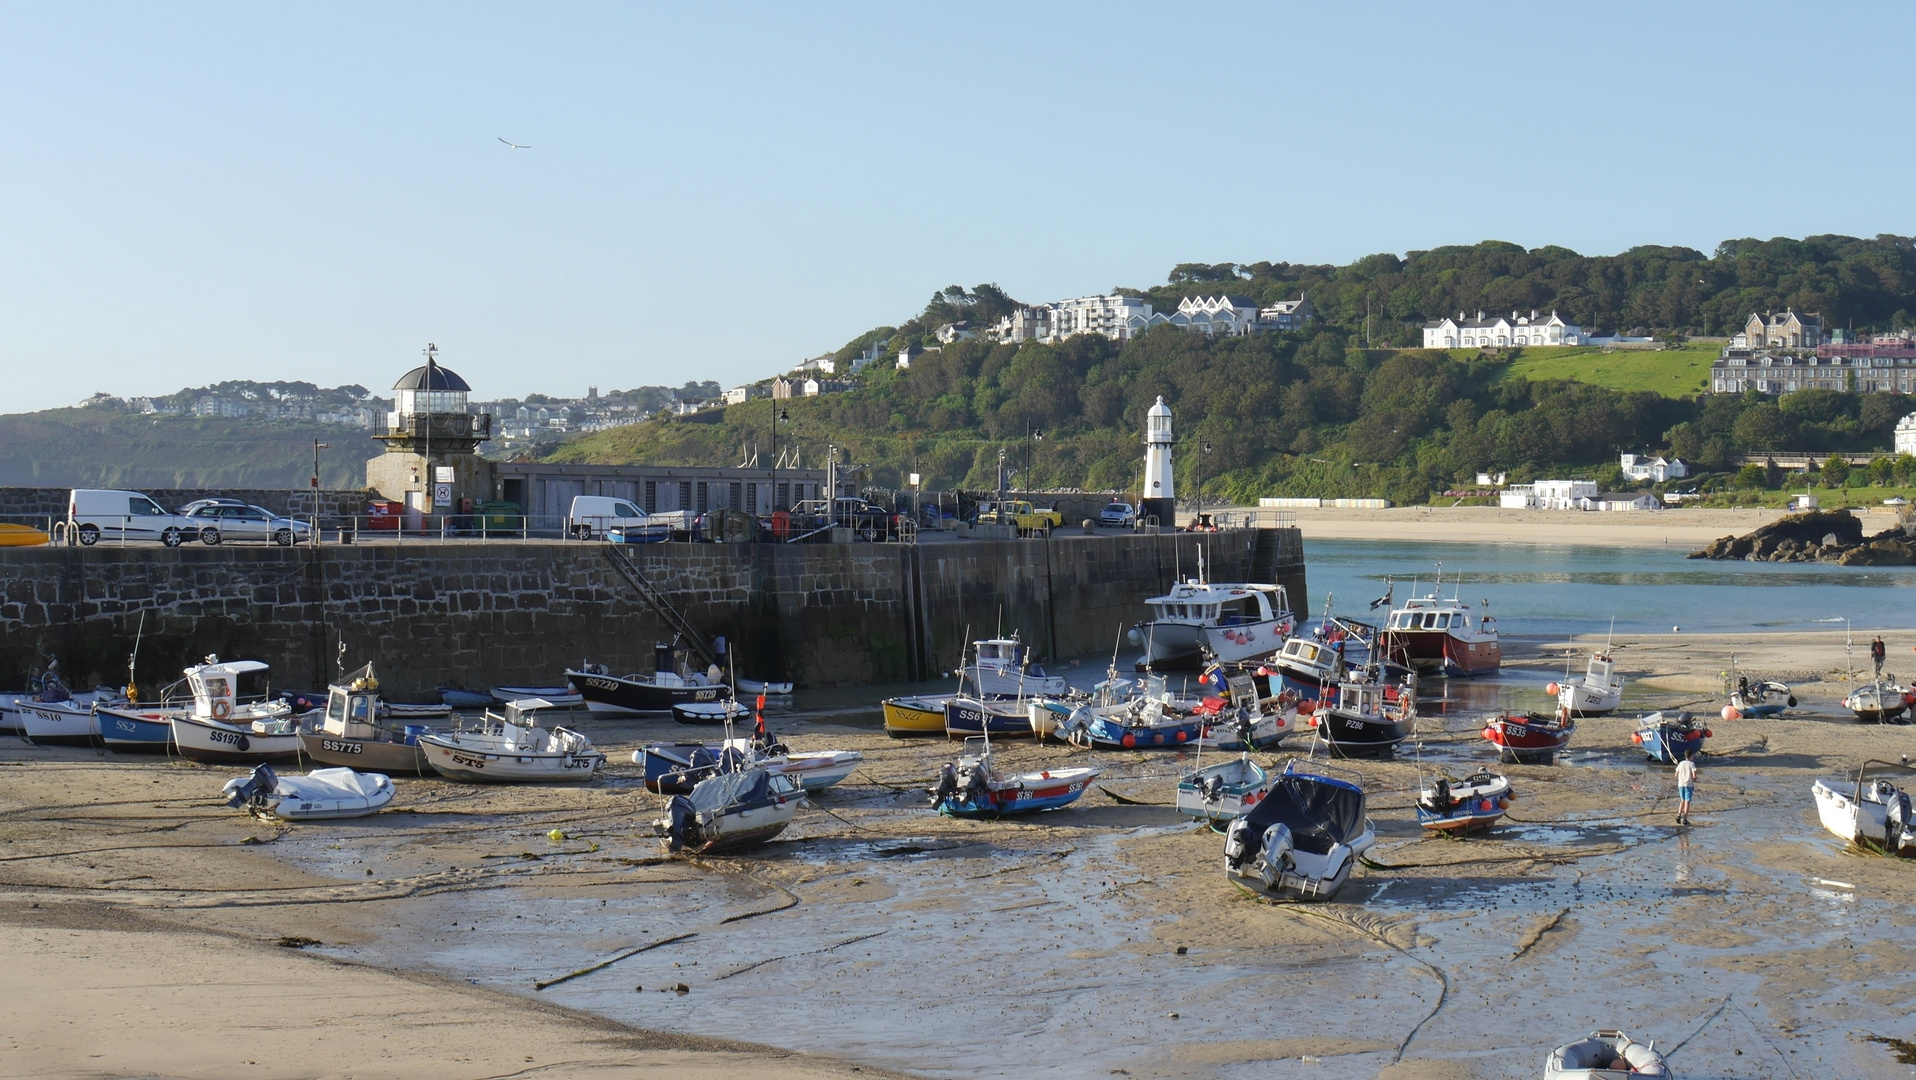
{"points": [[668, 685], [1143, 723], [513, 749], [675, 768], [467, 699], [1457, 806], [557, 697], [966, 716], [1605, 1055], [1872, 814], [1367, 720], [1222, 791], [730, 810], [1530, 739], [1879, 702], [1001, 667], [1758, 700], [1597, 692], [975, 788], [1435, 634], [1309, 667], [1232, 622], [922, 715], [320, 795], [1301, 840], [354, 731], [135, 729], [1669, 740], [57, 723], [217, 728]]}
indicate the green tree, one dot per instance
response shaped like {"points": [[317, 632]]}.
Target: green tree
{"points": [[1835, 471], [1751, 476]]}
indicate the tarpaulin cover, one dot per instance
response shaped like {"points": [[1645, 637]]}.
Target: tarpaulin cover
{"points": [[1319, 810]]}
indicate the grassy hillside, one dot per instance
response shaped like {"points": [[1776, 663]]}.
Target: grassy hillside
{"points": [[1674, 373], [104, 447]]}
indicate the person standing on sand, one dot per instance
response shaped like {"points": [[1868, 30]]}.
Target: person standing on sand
{"points": [[1876, 652], [1686, 786]]}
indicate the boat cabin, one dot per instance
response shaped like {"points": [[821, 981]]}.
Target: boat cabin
{"points": [[1220, 605], [1309, 653], [1370, 699], [1601, 670], [1427, 613], [215, 686], [352, 706], [1004, 654]]}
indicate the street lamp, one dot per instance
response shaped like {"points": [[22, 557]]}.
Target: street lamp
{"points": [[777, 415], [317, 447], [1033, 436], [1206, 448]]}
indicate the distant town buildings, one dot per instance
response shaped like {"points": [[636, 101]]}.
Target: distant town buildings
{"points": [[1657, 469], [1501, 332], [1573, 495], [1779, 330], [1885, 364], [1122, 318]]}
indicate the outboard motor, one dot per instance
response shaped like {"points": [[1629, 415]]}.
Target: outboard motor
{"points": [[1276, 854], [253, 790], [681, 823], [731, 759], [1246, 724], [1237, 843], [977, 790], [947, 784], [1437, 799], [1212, 788], [1896, 819]]}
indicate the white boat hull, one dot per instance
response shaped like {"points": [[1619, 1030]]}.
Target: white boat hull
{"points": [[998, 682], [57, 724], [1246, 641], [484, 760], [816, 770], [213, 743], [327, 795], [1854, 822], [1586, 699]]}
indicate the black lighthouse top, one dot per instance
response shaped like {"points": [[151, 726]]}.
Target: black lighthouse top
{"points": [[431, 377]]}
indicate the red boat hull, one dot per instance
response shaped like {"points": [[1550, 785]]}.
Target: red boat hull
{"points": [[1529, 740]]}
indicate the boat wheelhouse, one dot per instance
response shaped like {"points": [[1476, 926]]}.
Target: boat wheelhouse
{"points": [[1433, 634]]}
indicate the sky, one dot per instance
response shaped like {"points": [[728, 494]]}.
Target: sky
{"points": [[191, 193]]}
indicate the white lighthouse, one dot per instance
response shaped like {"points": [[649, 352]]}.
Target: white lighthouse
{"points": [[1159, 498]]}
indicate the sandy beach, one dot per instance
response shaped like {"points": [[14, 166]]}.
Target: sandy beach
{"points": [[145, 923], [1687, 528]]}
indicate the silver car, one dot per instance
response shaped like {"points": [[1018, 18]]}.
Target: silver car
{"points": [[223, 521]]}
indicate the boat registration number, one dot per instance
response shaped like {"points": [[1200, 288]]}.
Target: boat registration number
{"points": [[471, 763], [578, 763], [231, 737], [341, 747], [602, 684]]}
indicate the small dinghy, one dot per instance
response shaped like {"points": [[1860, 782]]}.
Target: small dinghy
{"points": [[906, 717], [1457, 806], [513, 749], [1668, 740], [1530, 739], [353, 731], [1605, 1055], [729, 711], [1222, 791], [769, 689], [1597, 693], [320, 795], [730, 810], [1301, 840], [974, 787], [1880, 703], [1367, 720], [1758, 700], [458, 698], [1872, 814]]}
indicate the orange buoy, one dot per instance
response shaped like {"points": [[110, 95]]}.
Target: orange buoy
{"points": [[1553, 689], [1730, 713]]}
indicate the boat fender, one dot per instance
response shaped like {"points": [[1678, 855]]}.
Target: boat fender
{"points": [[1792, 701], [1128, 741], [244, 744], [222, 709], [1730, 713], [1503, 803], [1553, 689], [947, 784]]}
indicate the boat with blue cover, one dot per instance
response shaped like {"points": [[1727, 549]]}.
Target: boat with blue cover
{"points": [[973, 787], [1669, 740], [730, 810]]}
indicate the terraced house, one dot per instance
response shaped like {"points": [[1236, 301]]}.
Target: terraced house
{"points": [[1501, 332]]}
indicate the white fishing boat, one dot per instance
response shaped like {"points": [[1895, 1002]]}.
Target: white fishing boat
{"points": [[218, 728], [1868, 813], [974, 788], [769, 689], [322, 794], [558, 697], [1879, 702], [1001, 667], [513, 749], [352, 730], [1605, 1055], [1758, 699], [1597, 693], [1232, 621], [57, 723], [730, 810]]}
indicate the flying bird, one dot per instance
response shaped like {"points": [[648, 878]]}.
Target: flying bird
{"points": [[512, 144]]}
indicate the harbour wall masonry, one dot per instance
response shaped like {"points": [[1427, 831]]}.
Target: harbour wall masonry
{"points": [[476, 614]]}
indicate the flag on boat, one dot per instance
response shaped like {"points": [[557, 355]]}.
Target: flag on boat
{"points": [[759, 729], [1390, 588]]}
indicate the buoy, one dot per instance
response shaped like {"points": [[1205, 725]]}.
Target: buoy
{"points": [[1676, 629], [1730, 713], [1306, 707], [1553, 689], [1503, 803], [1128, 742], [1636, 737], [557, 836], [1180, 735]]}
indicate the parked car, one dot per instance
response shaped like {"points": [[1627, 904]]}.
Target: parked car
{"points": [[93, 513], [220, 520], [1030, 520], [1118, 516], [599, 515]]}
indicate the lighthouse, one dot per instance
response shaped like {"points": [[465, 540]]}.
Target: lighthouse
{"points": [[1159, 500]]}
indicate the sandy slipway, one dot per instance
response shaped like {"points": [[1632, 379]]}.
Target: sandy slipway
{"points": [[141, 920]]}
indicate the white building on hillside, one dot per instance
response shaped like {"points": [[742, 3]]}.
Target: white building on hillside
{"points": [[1906, 434], [1548, 495], [1501, 332], [1657, 469]]}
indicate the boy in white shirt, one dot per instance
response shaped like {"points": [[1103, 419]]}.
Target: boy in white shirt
{"points": [[1686, 786]]}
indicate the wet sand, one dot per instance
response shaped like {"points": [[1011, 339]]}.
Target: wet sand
{"points": [[876, 936], [1687, 528]]}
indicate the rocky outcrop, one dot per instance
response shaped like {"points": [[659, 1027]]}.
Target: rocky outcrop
{"points": [[1816, 536]]}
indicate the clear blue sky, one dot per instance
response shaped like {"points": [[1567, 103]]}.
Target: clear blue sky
{"points": [[278, 191]]}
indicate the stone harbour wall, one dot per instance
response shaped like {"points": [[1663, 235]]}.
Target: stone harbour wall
{"points": [[478, 614]]}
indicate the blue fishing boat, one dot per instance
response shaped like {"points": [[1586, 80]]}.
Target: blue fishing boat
{"points": [[1669, 740], [974, 788], [465, 699], [128, 729], [1458, 806], [966, 716], [1139, 724]]}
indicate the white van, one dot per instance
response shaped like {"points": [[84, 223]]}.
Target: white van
{"points": [[124, 515], [601, 515]]}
